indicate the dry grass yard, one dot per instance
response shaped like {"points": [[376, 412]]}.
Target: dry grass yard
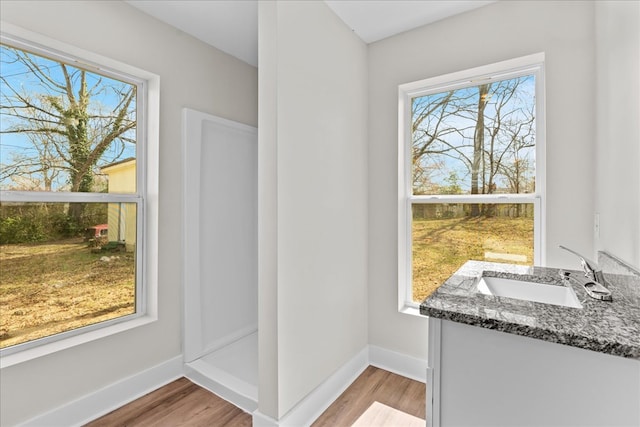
{"points": [[54, 287], [441, 246]]}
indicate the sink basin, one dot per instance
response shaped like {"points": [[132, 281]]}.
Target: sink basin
{"points": [[528, 291]]}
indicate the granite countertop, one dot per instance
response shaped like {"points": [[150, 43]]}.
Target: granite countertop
{"points": [[608, 327]]}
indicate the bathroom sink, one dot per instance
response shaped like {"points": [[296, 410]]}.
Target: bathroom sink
{"points": [[528, 291]]}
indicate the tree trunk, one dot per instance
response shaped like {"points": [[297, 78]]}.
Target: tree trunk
{"points": [[478, 145]]}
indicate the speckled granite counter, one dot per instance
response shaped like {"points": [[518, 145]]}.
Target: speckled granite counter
{"points": [[607, 327]]}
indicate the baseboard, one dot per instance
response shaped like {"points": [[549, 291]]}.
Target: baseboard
{"points": [[224, 385], [316, 402], [105, 400], [261, 420], [398, 363]]}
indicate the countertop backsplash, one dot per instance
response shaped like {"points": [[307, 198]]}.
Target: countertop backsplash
{"points": [[612, 265], [621, 275]]}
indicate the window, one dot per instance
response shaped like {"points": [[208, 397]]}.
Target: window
{"points": [[78, 212], [471, 172]]}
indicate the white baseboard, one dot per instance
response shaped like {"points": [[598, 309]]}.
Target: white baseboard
{"points": [[316, 402], [398, 363], [105, 400], [109, 398], [261, 420]]}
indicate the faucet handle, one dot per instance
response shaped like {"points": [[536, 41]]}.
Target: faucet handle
{"points": [[594, 289], [590, 268]]}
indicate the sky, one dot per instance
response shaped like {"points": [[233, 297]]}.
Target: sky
{"points": [[17, 75], [451, 166]]}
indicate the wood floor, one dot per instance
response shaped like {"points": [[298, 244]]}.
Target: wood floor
{"points": [[375, 385], [182, 403]]}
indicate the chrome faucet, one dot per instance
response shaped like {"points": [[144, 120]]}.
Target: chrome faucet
{"points": [[591, 269], [595, 281]]}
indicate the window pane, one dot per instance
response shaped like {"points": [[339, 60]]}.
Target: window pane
{"points": [[58, 275], [64, 128], [445, 236], [475, 140]]}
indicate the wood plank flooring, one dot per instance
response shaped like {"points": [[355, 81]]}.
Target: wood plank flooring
{"points": [[375, 385], [182, 403]]}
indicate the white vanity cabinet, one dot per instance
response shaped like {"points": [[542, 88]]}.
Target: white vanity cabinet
{"points": [[483, 377], [508, 361]]}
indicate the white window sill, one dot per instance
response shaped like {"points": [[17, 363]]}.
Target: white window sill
{"points": [[412, 310], [63, 344]]}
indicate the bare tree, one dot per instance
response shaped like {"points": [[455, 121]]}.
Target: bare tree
{"points": [[68, 128], [478, 143], [432, 131], [35, 167], [487, 131], [518, 171]]}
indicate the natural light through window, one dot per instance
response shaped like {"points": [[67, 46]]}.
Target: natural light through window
{"points": [[470, 172], [71, 217]]}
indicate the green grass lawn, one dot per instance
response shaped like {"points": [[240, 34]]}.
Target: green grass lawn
{"points": [[53, 287], [441, 246]]}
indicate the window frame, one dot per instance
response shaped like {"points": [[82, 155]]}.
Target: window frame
{"points": [[145, 198], [526, 65]]}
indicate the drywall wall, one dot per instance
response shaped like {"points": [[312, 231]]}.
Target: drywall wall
{"points": [[268, 209], [618, 129], [564, 31], [192, 74], [313, 162]]}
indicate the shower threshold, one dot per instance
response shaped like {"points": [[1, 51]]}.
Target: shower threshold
{"points": [[230, 372]]}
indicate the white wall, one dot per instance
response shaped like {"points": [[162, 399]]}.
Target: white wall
{"points": [[503, 30], [220, 248], [618, 128], [313, 200], [192, 74], [313, 172]]}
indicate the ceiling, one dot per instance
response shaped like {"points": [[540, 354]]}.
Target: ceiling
{"points": [[232, 25]]}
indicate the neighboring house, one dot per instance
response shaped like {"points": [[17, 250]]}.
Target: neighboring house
{"points": [[122, 216]]}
